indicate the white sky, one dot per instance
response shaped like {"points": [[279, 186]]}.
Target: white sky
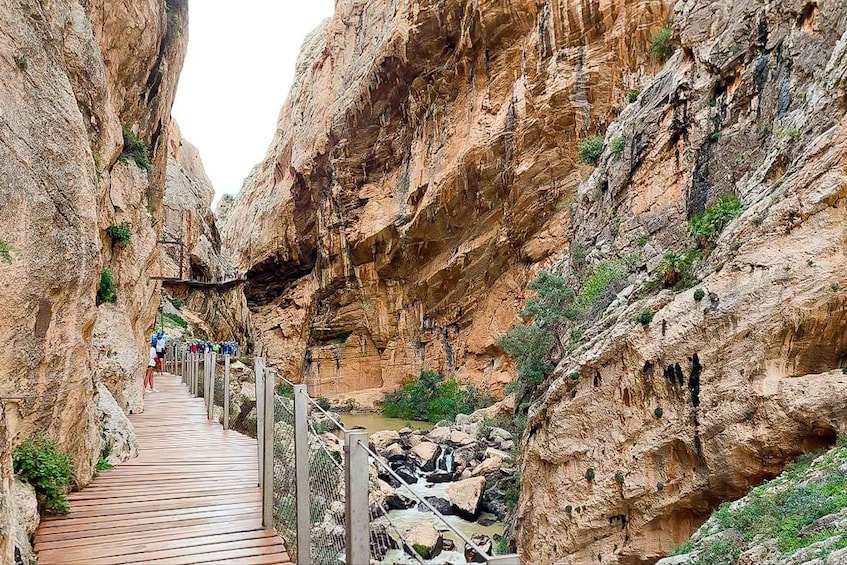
{"points": [[237, 74]]}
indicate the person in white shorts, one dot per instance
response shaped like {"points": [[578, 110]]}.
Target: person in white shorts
{"points": [[151, 366]]}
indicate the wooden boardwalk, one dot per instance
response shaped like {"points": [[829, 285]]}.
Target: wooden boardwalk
{"points": [[189, 497]]}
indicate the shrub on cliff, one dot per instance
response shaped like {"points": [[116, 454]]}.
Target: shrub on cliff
{"points": [[136, 149], [660, 44], [553, 301], [106, 291], [120, 233], [6, 251], [38, 462], [434, 397], [706, 227], [591, 149], [529, 345], [676, 269]]}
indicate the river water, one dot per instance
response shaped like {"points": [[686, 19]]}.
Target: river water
{"points": [[404, 520]]}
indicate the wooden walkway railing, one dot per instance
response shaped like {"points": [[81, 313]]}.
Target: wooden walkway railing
{"points": [[189, 497]]}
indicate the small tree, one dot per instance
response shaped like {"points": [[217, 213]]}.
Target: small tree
{"points": [[591, 149], [660, 44]]}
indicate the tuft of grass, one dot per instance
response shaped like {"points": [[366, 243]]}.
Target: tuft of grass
{"points": [[176, 319], [106, 292], [659, 412], [676, 270], [590, 474], [39, 462], [120, 233], [103, 465], [617, 145], [707, 227], [660, 44], [632, 95], [699, 294], [645, 318], [595, 285], [591, 149], [21, 62], [178, 303], [793, 134], [136, 149]]}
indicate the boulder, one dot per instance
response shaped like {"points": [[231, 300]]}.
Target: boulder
{"points": [[464, 456], [449, 545], [499, 434], [439, 435], [25, 520], [382, 439], [393, 452], [443, 506], [507, 445], [425, 539], [405, 431], [399, 502], [440, 477], [405, 472], [493, 500], [491, 452], [490, 465], [460, 439], [426, 454], [466, 496], [118, 441], [483, 542]]}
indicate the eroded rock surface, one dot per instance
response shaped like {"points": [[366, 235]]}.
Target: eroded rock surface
{"points": [[72, 74], [419, 175], [752, 104]]}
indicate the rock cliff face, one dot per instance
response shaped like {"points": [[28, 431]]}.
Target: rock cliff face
{"points": [[420, 174], [72, 74], [752, 104], [188, 218]]}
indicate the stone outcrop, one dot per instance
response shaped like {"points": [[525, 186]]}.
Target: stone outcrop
{"points": [[466, 496], [425, 539], [72, 75], [752, 104], [421, 172], [25, 520], [117, 434]]}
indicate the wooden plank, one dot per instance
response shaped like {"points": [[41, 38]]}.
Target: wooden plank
{"points": [[189, 497]]}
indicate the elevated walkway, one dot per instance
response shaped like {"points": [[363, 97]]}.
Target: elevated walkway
{"points": [[190, 496], [201, 283]]}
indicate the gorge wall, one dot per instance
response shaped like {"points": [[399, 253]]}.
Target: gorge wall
{"points": [[72, 75], [420, 175], [643, 430]]}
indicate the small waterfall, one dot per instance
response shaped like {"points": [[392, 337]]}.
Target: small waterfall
{"points": [[444, 461]]}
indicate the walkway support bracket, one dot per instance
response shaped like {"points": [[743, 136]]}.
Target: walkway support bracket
{"points": [[301, 475], [357, 517], [268, 451]]}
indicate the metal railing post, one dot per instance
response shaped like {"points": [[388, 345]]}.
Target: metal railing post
{"points": [[213, 369], [303, 523], [259, 369], [193, 371], [268, 453], [226, 391], [357, 516]]}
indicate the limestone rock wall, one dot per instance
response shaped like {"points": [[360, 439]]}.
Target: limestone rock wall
{"points": [[752, 104], [420, 174], [71, 75]]}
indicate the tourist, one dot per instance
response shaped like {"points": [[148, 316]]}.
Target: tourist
{"points": [[151, 365], [161, 345]]}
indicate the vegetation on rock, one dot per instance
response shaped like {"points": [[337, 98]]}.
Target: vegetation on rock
{"points": [[120, 233], [706, 227], [6, 251], [38, 462], [591, 149], [106, 292], [434, 397], [660, 44], [175, 319], [617, 145], [136, 149]]}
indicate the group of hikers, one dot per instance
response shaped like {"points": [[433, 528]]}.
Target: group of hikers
{"points": [[159, 347]]}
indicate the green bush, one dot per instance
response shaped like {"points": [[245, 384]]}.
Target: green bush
{"points": [[106, 291], [617, 145], [38, 462], [660, 44], [323, 402], [645, 318], [553, 301], [176, 319], [120, 233], [529, 345], [659, 412], [706, 227], [675, 269], [433, 397], [590, 474], [6, 251], [178, 303], [595, 285], [632, 95], [699, 295], [285, 390], [136, 149], [22, 62], [591, 149]]}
